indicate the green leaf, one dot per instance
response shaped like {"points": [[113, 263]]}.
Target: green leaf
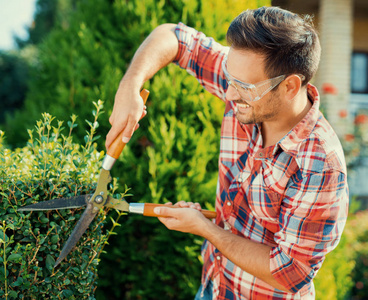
{"points": [[89, 123], [18, 282], [67, 293], [54, 239], [48, 280], [44, 220], [50, 262], [14, 256], [13, 294], [11, 226]]}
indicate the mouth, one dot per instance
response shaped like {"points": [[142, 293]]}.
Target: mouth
{"points": [[241, 107]]}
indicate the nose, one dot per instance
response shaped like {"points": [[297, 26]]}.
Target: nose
{"points": [[232, 94]]}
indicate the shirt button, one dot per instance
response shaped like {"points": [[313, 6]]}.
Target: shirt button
{"points": [[228, 203], [218, 257], [260, 154], [227, 226]]}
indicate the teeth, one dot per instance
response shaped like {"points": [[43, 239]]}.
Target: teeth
{"points": [[243, 105]]}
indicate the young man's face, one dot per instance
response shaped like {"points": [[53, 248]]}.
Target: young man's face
{"points": [[248, 67]]}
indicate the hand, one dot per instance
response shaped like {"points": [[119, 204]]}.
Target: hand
{"points": [[186, 219], [128, 110], [184, 204]]}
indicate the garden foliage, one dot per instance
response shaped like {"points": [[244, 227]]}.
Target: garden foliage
{"points": [[172, 157], [50, 166], [14, 70], [344, 272]]}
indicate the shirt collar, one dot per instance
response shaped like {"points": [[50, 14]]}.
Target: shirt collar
{"points": [[290, 143]]}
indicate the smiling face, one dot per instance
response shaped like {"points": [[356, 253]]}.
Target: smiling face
{"points": [[248, 66]]}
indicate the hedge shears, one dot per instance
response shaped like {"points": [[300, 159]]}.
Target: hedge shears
{"points": [[99, 199]]}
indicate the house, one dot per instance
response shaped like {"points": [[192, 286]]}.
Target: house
{"points": [[343, 70]]}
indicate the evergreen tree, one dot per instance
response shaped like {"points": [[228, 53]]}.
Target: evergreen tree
{"points": [[16, 65], [13, 76]]}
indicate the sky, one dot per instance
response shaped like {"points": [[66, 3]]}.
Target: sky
{"points": [[15, 16]]}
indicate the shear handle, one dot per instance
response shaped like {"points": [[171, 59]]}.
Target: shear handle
{"points": [[149, 207]]}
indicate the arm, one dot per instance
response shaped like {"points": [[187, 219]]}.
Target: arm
{"points": [[252, 257], [201, 56], [158, 50], [311, 220]]}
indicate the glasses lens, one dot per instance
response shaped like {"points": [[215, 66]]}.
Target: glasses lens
{"points": [[251, 92], [248, 93], [245, 91]]}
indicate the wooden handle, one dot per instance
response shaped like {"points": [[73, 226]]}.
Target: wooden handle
{"points": [[118, 145], [149, 207]]}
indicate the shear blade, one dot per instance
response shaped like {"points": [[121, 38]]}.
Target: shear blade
{"points": [[82, 225], [60, 203]]}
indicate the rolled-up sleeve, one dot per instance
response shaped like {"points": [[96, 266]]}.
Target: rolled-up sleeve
{"points": [[312, 217], [202, 57]]}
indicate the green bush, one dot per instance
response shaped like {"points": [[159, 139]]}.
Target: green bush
{"points": [[359, 242], [87, 53], [49, 166], [175, 159], [344, 273]]}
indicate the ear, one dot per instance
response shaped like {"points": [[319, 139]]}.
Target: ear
{"points": [[292, 86]]}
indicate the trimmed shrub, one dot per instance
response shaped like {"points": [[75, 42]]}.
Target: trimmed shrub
{"points": [[50, 166]]}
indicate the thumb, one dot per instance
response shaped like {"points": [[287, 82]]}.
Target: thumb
{"points": [[164, 211], [111, 136], [129, 130]]}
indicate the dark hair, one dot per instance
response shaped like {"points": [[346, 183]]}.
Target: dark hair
{"points": [[289, 43]]}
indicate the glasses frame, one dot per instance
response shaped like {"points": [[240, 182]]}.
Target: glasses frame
{"points": [[249, 88]]}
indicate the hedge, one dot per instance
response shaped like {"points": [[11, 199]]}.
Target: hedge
{"points": [[50, 166]]}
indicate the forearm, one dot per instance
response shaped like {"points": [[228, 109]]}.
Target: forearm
{"points": [[252, 257], [158, 50]]}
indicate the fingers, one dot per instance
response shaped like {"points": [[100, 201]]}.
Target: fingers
{"points": [[129, 128], [182, 219], [181, 204], [144, 113], [128, 110], [165, 212], [185, 204]]}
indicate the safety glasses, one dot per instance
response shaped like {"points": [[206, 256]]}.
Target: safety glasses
{"points": [[251, 92]]}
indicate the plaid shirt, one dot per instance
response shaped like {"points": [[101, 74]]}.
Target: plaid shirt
{"points": [[292, 196]]}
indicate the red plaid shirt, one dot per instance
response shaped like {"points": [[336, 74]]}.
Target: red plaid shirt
{"points": [[292, 196]]}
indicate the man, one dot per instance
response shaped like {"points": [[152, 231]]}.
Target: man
{"points": [[282, 196]]}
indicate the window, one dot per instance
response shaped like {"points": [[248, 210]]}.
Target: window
{"points": [[359, 73]]}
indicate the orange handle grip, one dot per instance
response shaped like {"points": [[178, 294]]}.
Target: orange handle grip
{"points": [[118, 145], [149, 207]]}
